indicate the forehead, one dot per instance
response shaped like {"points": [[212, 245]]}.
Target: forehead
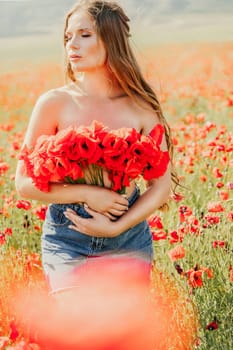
{"points": [[80, 20]]}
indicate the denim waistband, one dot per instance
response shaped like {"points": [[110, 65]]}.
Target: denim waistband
{"points": [[79, 207], [134, 195]]}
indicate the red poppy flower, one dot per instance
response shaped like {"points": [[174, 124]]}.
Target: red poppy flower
{"points": [[40, 211], [231, 274], [131, 136], [184, 211], [208, 271], [212, 220], [203, 178], [159, 235], [137, 153], [224, 195], [219, 184], [3, 168], [23, 204], [209, 126], [217, 173], [195, 278], [176, 237], [212, 326], [133, 168], [218, 244], [156, 165], [8, 231], [230, 216], [88, 149], [2, 238], [229, 101], [157, 133], [115, 152], [97, 130], [177, 197], [155, 221], [176, 253], [215, 207]]}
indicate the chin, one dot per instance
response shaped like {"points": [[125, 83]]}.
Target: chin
{"points": [[80, 69], [83, 69]]}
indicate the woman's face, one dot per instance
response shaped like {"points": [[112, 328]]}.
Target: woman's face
{"points": [[85, 50]]}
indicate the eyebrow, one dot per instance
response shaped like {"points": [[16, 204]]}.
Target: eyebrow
{"points": [[81, 30]]}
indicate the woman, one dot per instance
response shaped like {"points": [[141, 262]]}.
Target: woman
{"points": [[104, 84]]}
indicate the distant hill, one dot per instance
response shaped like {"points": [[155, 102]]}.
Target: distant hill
{"points": [[29, 17]]}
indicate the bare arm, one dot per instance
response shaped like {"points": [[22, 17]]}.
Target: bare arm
{"points": [[113, 204], [43, 121], [156, 195]]}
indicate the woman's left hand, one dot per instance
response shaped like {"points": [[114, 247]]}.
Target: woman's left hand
{"points": [[98, 226]]}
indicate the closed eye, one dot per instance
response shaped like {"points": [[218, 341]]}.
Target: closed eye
{"points": [[67, 38]]}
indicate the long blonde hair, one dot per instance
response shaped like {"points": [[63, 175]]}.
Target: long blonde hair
{"points": [[111, 25]]}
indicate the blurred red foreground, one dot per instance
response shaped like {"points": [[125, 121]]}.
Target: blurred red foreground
{"points": [[112, 308]]}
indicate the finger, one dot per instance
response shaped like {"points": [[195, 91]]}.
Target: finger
{"points": [[122, 200], [78, 229], [72, 216], [110, 216], [120, 207], [75, 228], [78, 224], [70, 211], [116, 212], [90, 211]]}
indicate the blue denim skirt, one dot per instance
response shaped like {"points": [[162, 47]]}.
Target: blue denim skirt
{"points": [[64, 249]]}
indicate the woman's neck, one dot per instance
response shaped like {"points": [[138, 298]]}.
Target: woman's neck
{"points": [[99, 84]]}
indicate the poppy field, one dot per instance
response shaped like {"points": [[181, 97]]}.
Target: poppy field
{"points": [[193, 239]]}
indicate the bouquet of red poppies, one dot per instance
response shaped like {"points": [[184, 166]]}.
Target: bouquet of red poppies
{"points": [[87, 154]]}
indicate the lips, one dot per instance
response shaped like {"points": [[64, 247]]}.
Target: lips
{"points": [[74, 56]]}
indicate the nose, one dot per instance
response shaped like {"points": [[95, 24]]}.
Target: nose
{"points": [[74, 42]]}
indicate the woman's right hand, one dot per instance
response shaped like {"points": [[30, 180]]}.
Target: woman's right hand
{"points": [[106, 201]]}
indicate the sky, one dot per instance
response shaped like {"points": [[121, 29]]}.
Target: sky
{"points": [[29, 17]]}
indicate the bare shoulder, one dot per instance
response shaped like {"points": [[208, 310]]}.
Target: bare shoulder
{"points": [[147, 116], [50, 105], [53, 97], [45, 115]]}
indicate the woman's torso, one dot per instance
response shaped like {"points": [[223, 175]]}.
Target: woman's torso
{"points": [[115, 113]]}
